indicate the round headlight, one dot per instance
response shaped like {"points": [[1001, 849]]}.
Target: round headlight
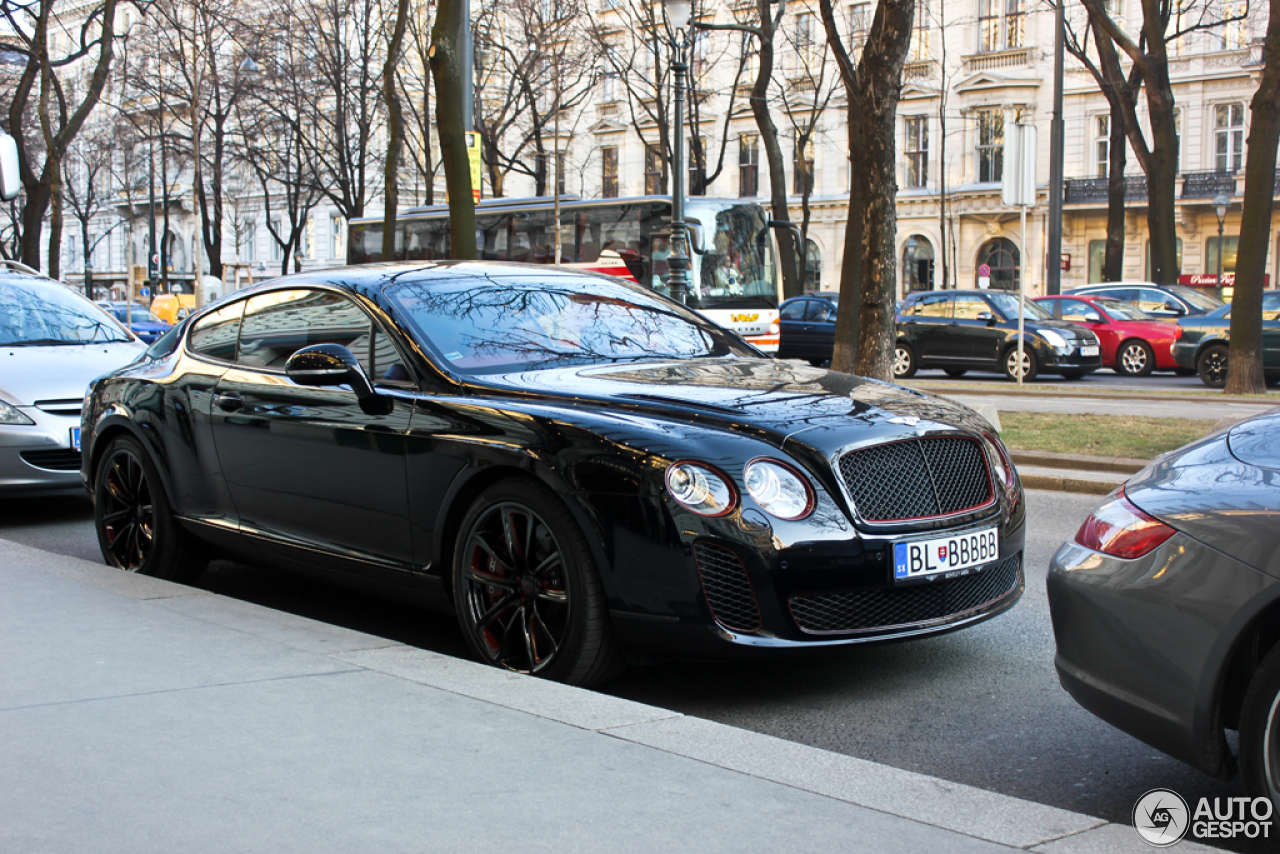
{"points": [[779, 490], [700, 489]]}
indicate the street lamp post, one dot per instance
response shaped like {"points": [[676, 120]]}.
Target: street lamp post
{"points": [[1220, 205], [678, 14]]}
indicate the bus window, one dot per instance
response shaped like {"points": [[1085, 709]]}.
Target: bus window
{"points": [[425, 240], [492, 238], [364, 245]]}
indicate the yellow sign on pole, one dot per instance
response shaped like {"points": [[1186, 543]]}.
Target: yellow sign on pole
{"points": [[473, 157]]}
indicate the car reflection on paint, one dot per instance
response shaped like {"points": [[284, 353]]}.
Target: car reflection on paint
{"points": [[580, 469]]}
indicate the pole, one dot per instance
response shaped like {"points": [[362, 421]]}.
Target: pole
{"points": [[679, 259], [1053, 284], [152, 271], [555, 149], [1218, 282], [1022, 293]]}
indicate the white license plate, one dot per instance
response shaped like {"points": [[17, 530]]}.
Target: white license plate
{"points": [[1088, 351], [925, 558], [75, 438]]}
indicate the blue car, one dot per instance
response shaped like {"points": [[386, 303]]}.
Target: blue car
{"points": [[142, 322]]}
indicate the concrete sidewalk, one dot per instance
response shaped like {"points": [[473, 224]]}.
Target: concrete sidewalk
{"points": [[144, 716]]}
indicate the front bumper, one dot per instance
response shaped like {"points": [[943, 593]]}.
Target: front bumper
{"points": [[1184, 353], [1143, 643], [1070, 361], [39, 459]]}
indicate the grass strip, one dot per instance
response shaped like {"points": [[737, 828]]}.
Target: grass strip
{"points": [[1134, 436]]}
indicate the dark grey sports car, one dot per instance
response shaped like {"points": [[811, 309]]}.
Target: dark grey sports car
{"points": [[574, 465], [1166, 605]]}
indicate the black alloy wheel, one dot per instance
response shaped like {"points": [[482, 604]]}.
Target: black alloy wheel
{"points": [[904, 361], [136, 528], [1135, 358], [1260, 732], [1028, 369], [526, 590], [1212, 366]]}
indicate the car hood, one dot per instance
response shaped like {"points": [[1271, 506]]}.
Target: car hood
{"points": [[1223, 490], [1068, 330], [28, 374], [753, 395]]}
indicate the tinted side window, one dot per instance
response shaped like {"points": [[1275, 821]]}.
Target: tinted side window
{"points": [[820, 311], [969, 307], [215, 334], [934, 306], [1079, 311], [794, 310], [278, 324]]}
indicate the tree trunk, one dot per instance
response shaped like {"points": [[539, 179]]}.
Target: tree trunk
{"points": [[1117, 186], [1162, 180], [446, 71], [869, 275], [395, 134], [1244, 362], [787, 249]]}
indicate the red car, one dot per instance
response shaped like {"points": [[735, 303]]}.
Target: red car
{"points": [[1133, 342]]}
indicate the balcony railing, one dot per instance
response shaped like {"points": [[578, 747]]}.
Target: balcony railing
{"points": [[1094, 190], [1206, 185], [1015, 58]]}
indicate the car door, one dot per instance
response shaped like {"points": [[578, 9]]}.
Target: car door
{"points": [[1271, 332], [307, 466], [974, 332], [791, 330], [1090, 317], [819, 329], [924, 325]]}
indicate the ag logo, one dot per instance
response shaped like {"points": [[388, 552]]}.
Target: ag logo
{"points": [[1161, 817]]}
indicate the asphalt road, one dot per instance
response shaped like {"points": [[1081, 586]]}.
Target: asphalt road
{"points": [[981, 706]]}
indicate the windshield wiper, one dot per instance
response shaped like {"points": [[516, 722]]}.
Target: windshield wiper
{"points": [[41, 342]]}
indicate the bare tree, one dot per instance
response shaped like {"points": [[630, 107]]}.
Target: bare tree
{"points": [[868, 277], [64, 96], [1244, 362], [88, 181], [414, 75], [447, 40], [395, 130]]}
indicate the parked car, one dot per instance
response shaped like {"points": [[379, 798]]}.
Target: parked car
{"points": [[977, 330], [137, 320], [1163, 302], [172, 308], [808, 327], [573, 464], [1166, 605], [1203, 342], [1133, 342], [52, 342]]}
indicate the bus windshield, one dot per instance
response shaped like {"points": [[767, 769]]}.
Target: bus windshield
{"points": [[734, 263]]}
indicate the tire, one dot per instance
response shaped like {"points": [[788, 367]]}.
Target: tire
{"points": [[1211, 364], [1029, 367], [526, 590], [955, 373], [1260, 731], [904, 361], [1135, 358], [136, 528]]}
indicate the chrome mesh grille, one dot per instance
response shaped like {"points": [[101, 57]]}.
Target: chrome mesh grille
{"points": [[914, 605], [916, 479], [729, 593]]}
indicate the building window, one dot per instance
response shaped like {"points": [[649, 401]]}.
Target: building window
{"points": [[652, 170], [748, 165], [805, 43], [337, 237], [609, 172], [1102, 145], [1001, 24], [277, 226], [990, 147], [916, 147], [919, 51], [859, 23], [1233, 33], [561, 179], [1097, 259], [1002, 257], [802, 162], [1228, 137], [1229, 246], [917, 264]]}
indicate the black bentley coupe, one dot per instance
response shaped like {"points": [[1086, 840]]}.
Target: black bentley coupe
{"points": [[577, 467]]}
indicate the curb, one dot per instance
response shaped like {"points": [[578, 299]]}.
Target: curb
{"points": [[998, 391], [1047, 459]]}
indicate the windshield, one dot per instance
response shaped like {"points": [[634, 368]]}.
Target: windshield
{"points": [[35, 312], [735, 267], [1197, 297], [1007, 305], [498, 324], [1123, 310]]}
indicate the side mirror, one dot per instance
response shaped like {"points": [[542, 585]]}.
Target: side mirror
{"points": [[331, 365], [986, 317], [10, 179]]}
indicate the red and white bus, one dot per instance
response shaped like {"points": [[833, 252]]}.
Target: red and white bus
{"points": [[733, 278]]}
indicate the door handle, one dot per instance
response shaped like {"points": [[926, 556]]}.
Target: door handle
{"points": [[228, 402]]}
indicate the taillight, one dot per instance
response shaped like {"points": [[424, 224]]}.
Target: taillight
{"points": [[1120, 529]]}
